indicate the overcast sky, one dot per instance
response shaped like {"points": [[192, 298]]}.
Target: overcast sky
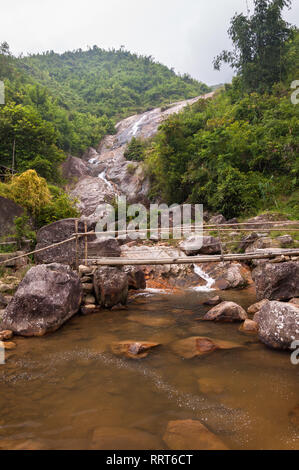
{"points": [[183, 34]]}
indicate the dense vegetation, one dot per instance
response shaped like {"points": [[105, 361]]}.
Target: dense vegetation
{"points": [[112, 83], [43, 203], [65, 103], [239, 152]]}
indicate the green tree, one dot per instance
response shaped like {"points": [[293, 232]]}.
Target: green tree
{"points": [[261, 41]]}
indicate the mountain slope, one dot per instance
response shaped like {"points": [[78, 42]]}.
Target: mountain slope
{"points": [[115, 83]]}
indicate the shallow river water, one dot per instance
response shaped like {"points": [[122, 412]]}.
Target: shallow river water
{"points": [[58, 389]]}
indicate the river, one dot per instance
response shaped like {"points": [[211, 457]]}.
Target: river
{"points": [[56, 390]]}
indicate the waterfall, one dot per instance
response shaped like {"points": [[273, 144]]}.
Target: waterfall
{"points": [[103, 178], [210, 281]]}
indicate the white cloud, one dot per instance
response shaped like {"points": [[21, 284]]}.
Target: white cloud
{"points": [[184, 34]]}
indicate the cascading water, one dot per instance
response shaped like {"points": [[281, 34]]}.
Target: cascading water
{"points": [[102, 176], [210, 281]]}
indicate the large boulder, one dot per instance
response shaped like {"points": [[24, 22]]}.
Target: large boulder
{"points": [[8, 211], [278, 324], [46, 298], [226, 312], [277, 281], [58, 232], [191, 434], [194, 245], [110, 286]]}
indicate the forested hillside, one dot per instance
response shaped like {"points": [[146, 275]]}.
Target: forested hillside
{"points": [[65, 103], [114, 83], [238, 153]]}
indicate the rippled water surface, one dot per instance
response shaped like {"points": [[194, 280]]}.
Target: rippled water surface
{"points": [[57, 390]]}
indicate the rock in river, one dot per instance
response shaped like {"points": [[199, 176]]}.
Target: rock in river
{"points": [[249, 326], [278, 324], [110, 286], [133, 349], [277, 281], [226, 312], [200, 346], [191, 434], [46, 298]]}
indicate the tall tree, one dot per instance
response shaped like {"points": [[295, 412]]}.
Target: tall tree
{"points": [[260, 54]]}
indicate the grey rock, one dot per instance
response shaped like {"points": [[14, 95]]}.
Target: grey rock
{"points": [[46, 298], [278, 324], [110, 286], [277, 281]]}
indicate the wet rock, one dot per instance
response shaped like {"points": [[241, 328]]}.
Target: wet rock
{"points": [[5, 335], [111, 438], [136, 277], [249, 326], [133, 349], [110, 286], [195, 346], [257, 306], [226, 312], [90, 309], [151, 320], [213, 301], [191, 435], [278, 324], [294, 417], [46, 298], [9, 345], [208, 385], [217, 220], [228, 275], [277, 281], [204, 245]]}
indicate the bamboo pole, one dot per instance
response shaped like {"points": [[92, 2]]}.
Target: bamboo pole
{"points": [[191, 259], [38, 251], [86, 243], [77, 245]]}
